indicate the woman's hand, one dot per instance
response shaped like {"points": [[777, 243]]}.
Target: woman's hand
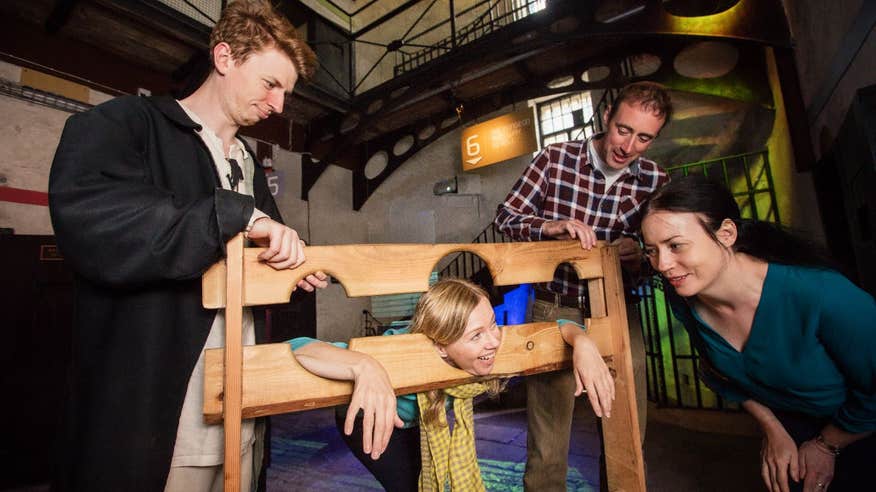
{"points": [[816, 466], [373, 394], [372, 391], [778, 456], [591, 373]]}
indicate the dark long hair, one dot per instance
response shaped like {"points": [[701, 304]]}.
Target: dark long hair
{"points": [[713, 202]]}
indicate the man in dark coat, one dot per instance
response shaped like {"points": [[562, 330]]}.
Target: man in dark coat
{"points": [[143, 200]]}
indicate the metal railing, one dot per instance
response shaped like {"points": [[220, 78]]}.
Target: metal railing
{"points": [[411, 49], [498, 14], [748, 177], [371, 325], [465, 264]]}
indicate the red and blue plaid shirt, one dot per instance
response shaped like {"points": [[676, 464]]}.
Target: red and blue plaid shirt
{"points": [[561, 183]]}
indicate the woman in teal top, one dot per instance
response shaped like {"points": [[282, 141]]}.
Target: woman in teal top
{"points": [[776, 329], [456, 315]]}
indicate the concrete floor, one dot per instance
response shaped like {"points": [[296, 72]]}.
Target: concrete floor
{"points": [[308, 455]]}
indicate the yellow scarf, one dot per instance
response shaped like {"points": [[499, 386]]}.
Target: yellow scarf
{"points": [[442, 453]]}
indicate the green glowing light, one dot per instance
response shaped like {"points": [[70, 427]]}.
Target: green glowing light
{"points": [[716, 24]]}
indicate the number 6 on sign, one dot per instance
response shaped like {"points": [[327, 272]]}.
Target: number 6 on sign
{"points": [[507, 136], [472, 149]]}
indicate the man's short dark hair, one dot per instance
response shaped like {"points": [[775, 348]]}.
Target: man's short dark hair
{"points": [[650, 95]]}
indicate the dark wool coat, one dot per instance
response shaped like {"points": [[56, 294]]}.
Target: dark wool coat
{"points": [[139, 214]]}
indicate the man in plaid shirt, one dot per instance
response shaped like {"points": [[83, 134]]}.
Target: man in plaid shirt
{"points": [[587, 190]]}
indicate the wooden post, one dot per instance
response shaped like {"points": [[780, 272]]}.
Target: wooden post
{"points": [[623, 448], [233, 361]]}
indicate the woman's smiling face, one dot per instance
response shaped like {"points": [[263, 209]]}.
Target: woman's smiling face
{"points": [[679, 248], [475, 351]]}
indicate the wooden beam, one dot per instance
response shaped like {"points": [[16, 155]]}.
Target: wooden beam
{"points": [[59, 15], [274, 382], [378, 269], [596, 297], [624, 464], [233, 357]]}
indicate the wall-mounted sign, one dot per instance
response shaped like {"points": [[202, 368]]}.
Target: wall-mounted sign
{"points": [[499, 139]]}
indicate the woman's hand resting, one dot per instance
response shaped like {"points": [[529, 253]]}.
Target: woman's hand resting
{"points": [[373, 394]]}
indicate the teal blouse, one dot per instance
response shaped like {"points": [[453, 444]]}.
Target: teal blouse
{"points": [[812, 348]]}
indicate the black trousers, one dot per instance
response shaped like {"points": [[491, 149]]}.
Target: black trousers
{"points": [[853, 469], [398, 468]]}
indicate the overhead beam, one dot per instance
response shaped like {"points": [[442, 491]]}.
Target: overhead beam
{"points": [[59, 15], [389, 15]]}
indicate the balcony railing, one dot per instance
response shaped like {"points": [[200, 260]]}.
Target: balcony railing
{"points": [[496, 15]]}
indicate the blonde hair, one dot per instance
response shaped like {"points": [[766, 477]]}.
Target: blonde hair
{"points": [[248, 26], [442, 314]]}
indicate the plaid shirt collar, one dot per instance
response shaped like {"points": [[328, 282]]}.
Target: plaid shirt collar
{"points": [[589, 149], [561, 183]]}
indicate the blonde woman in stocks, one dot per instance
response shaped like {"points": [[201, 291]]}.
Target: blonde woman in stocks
{"points": [[456, 315]]}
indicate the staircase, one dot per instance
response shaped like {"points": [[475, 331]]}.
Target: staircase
{"points": [[498, 14]]}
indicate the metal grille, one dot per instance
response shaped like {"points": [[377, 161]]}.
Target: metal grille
{"points": [[465, 264]]}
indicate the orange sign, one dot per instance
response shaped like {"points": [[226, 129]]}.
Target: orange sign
{"points": [[499, 139]]}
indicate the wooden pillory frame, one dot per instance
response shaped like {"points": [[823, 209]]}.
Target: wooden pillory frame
{"points": [[266, 380]]}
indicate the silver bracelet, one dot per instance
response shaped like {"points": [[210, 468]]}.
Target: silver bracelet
{"points": [[826, 446]]}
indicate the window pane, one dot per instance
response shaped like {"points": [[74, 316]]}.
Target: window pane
{"points": [[567, 120], [545, 112], [547, 126], [571, 112]]}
